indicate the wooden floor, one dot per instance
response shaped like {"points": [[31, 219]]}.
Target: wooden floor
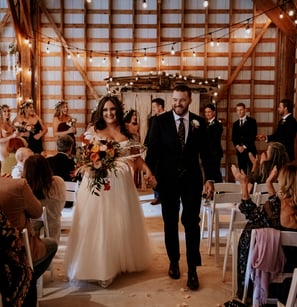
{"points": [[150, 288]]}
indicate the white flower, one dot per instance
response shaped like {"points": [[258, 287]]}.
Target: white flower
{"points": [[195, 123], [88, 136]]}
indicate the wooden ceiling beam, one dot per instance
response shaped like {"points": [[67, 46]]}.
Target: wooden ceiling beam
{"points": [[4, 20], [238, 68], [286, 24]]}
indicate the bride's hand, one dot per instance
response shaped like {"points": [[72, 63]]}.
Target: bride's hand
{"points": [[150, 181]]}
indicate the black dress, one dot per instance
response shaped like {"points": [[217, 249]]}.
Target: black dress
{"points": [[33, 144]]}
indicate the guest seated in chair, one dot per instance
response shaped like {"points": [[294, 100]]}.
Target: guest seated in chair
{"points": [[21, 155], [19, 204], [62, 163], [49, 189], [279, 212]]}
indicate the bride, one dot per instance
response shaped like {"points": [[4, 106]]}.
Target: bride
{"points": [[108, 234]]}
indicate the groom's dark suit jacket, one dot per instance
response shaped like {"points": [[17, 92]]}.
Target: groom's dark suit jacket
{"points": [[165, 156]]}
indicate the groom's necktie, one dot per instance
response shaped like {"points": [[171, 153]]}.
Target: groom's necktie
{"points": [[181, 132]]}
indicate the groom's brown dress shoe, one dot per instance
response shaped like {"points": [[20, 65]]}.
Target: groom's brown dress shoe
{"points": [[155, 201], [174, 271], [193, 281]]}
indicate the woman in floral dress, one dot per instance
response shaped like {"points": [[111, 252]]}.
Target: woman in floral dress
{"points": [[279, 212]]}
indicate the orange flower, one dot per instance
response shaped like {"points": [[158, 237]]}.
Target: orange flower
{"points": [[94, 156], [95, 148]]}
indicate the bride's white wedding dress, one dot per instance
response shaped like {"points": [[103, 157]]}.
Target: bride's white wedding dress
{"points": [[108, 234]]}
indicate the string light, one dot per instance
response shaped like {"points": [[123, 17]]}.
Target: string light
{"points": [[194, 53], [205, 3], [145, 57], [69, 47], [117, 57], [104, 60], [91, 57], [144, 4]]}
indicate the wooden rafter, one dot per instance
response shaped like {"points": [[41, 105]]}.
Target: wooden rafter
{"points": [[286, 24], [4, 20], [242, 62], [65, 45]]}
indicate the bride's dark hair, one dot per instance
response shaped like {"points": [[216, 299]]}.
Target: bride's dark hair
{"points": [[100, 122]]}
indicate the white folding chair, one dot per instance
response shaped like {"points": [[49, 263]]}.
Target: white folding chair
{"points": [[46, 233], [262, 187], [237, 223], [71, 190], [260, 192], [26, 243], [287, 238], [67, 213], [221, 214], [291, 300], [206, 204]]}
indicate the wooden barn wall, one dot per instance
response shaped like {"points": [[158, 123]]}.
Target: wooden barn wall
{"points": [[106, 31]]}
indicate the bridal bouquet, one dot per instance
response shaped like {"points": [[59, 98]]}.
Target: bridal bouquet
{"points": [[98, 158]]}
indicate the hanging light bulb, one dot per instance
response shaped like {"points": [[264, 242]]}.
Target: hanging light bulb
{"points": [[145, 57], [194, 53], [163, 61], [104, 60], [247, 28], [137, 61], [68, 56], [117, 57], [47, 47], [144, 4], [281, 15], [172, 49], [205, 3], [212, 43], [91, 57], [291, 12]]}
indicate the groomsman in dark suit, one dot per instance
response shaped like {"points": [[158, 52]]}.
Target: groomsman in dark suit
{"points": [[285, 132], [214, 150], [176, 140], [244, 132]]}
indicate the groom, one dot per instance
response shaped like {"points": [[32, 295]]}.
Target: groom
{"points": [[176, 140]]}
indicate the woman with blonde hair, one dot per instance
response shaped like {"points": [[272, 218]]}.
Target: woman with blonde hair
{"points": [[275, 155], [7, 131], [279, 212], [64, 123]]}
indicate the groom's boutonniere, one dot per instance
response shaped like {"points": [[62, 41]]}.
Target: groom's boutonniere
{"points": [[195, 124]]}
